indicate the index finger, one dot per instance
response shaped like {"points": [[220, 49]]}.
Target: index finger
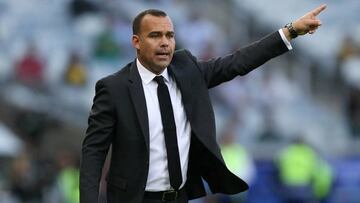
{"points": [[318, 10]]}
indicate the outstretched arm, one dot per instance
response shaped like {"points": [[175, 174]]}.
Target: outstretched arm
{"points": [[307, 23]]}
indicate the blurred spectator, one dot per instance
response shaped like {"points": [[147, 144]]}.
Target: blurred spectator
{"points": [[323, 181], [29, 70], [32, 126], [106, 47], [303, 175], [269, 131], [348, 61], [75, 73], [207, 39], [123, 33], [238, 160], [24, 183], [348, 49], [66, 186], [81, 7], [353, 110], [236, 157]]}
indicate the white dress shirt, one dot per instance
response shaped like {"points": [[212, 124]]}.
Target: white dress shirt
{"points": [[158, 177], [286, 41]]}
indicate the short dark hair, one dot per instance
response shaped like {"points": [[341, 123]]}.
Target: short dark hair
{"points": [[137, 20]]}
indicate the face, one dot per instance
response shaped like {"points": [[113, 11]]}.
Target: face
{"points": [[155, 44]]}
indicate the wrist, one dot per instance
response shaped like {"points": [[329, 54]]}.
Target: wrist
{"points": [[289, 28], [286, 33]]}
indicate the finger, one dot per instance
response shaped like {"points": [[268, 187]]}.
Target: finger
{"points": [[312, 22], [318, 10]]}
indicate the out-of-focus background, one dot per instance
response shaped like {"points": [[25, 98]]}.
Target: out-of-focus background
{"points": [[291, 128]]}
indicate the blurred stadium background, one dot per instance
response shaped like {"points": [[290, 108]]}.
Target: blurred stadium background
{"points": [[53, 51]]}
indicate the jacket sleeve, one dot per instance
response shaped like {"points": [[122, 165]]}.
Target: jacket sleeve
{"points": [[96, 143], [242, 61]]}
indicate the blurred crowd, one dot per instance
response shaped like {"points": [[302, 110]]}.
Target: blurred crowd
{"points": [[289, 128]]}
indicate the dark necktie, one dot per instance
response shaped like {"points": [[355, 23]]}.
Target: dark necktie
{"points": [[167, 117]]}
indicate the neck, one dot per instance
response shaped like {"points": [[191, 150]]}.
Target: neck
{"points": [[156, 71]]}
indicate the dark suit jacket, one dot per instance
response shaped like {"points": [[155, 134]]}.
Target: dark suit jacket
{"points": [[119, 118]]}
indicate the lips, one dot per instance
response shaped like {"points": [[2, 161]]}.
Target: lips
{"points": [[162, 55]]}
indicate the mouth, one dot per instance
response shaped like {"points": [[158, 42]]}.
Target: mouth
{"points": [[162, 54]]}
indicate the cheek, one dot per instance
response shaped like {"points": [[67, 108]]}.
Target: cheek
{"points": [[144, 49], [146, 46]]}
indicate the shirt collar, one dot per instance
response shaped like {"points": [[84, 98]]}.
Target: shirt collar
{"points": [[147, 76]]}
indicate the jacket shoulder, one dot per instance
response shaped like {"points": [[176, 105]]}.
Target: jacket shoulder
{"points": [[183, 57], [183, 54]]}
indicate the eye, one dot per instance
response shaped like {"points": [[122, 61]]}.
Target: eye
{"points": [[170, 35], [154, 35]]}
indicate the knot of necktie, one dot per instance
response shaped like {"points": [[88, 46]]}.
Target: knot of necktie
{"points": [[159, 79]]}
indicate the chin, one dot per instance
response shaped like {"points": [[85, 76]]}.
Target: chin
{"points": [[163, 65]]}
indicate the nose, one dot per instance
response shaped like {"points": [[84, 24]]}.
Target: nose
{"points": [[164, 41]]}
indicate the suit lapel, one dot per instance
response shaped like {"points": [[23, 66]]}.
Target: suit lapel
{"points": [[138, 98], [181, 71], [184, 85]]}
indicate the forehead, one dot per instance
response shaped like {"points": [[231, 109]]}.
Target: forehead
{"points": [[156, 23]]}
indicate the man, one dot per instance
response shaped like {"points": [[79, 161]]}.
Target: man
{"points": [[157, 116]]}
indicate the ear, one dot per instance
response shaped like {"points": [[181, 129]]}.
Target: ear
{"points": [[135, 42]]}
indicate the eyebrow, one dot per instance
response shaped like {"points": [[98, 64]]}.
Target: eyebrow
{"points": [[159, 32]]}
